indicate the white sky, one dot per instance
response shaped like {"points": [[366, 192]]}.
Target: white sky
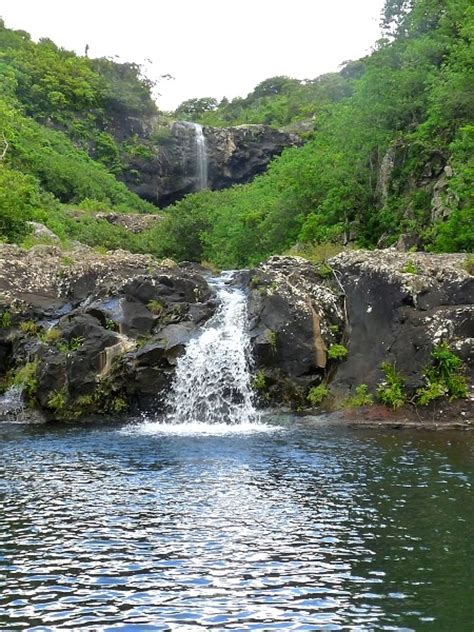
{"points": [[212, 47]]}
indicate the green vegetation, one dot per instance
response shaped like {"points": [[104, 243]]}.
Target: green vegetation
{"points": [[156, 307], [5, 320], [337, 352], [390, 391], [362, 397], [410, 268], [386, 122], [50, 336], [29, 327], [57, 400], [444, 378], [26, 378], [74, 344], [259, 381], [379, 135], [318, 394]]}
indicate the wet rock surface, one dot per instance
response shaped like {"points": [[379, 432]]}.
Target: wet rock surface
{"points": [[86, 333], [100, 333]]}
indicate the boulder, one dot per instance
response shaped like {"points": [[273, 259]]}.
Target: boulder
{"points": [[293, 318], [400, 305]]}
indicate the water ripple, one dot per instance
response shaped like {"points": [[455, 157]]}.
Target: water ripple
{"points": [[271, 528]]}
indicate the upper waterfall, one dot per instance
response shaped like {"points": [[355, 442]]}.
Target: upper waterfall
{"points": [[201, 157], [212, 382]]}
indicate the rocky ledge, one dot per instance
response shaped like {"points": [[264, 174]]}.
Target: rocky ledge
{"points": [[332, 332], [82, 333], [235, 155]]}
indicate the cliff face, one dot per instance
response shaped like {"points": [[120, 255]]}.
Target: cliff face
{"points": [[235, 155]]}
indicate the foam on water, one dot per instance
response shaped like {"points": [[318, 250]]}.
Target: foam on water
{"points": [[212, 384]]}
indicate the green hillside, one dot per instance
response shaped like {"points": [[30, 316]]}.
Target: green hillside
{"points": [[388, 151], [401, 119]]}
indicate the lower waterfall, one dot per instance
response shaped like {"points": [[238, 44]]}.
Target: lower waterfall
{"points": [[212, 382]]}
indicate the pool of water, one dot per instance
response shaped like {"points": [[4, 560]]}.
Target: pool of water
{"points": [[295, 525]]}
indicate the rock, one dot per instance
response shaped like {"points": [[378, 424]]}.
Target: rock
{"points": [[104, 307], [400, 305], [293, 319], [134, 223], [235, 156], [42, 232]]}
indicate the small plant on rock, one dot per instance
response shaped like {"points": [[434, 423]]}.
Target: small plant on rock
{"points": [[50, 336], [73, 345], [57, 400], [29, 327], [5, 320], [410, 268], [362, 397], [155, 307], [469, 264], [26, 378], [390, 391], [259, 381], [317, 394], [444, 378], [337, 352]]}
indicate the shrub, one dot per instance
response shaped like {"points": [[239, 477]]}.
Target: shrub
{"points": [[362, 397], [390, 391], [444, 378], [317, 394], [337, 352]]}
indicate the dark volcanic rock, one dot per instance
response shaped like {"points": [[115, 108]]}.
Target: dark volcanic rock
{"points": [[235, 156], [293, 320], [398, 316], [128, 319]]}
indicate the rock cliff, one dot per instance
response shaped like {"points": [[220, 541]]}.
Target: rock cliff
{"points": [[83, 333], [235, 155]]}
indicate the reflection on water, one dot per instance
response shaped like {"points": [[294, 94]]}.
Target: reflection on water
{"points": [[274, 528]]}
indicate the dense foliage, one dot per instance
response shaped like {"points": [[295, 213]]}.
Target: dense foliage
{"points": [[389, 146], [395, 125], [57, 113]]}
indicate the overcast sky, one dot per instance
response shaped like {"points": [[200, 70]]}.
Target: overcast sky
{"points": [[212, 47]]}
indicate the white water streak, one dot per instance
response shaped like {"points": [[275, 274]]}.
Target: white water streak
{"points": [[201, 157], [212, 382]]}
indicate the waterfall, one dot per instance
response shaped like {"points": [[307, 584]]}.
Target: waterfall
{"points": [[212, 381], [201, 157], [12, 404]]}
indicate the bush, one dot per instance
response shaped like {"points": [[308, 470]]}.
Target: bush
{"points": [[318, 394], [444, 378], [362, 397], [390, 391]]}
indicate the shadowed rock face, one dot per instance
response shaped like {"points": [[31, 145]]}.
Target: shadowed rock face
{"points": [[235, 155], [371, 305], [121, 321]]}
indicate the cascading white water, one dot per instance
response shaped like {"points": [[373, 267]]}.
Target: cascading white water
{"points": [[12, 404], [212, 382], [201, 157]]}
